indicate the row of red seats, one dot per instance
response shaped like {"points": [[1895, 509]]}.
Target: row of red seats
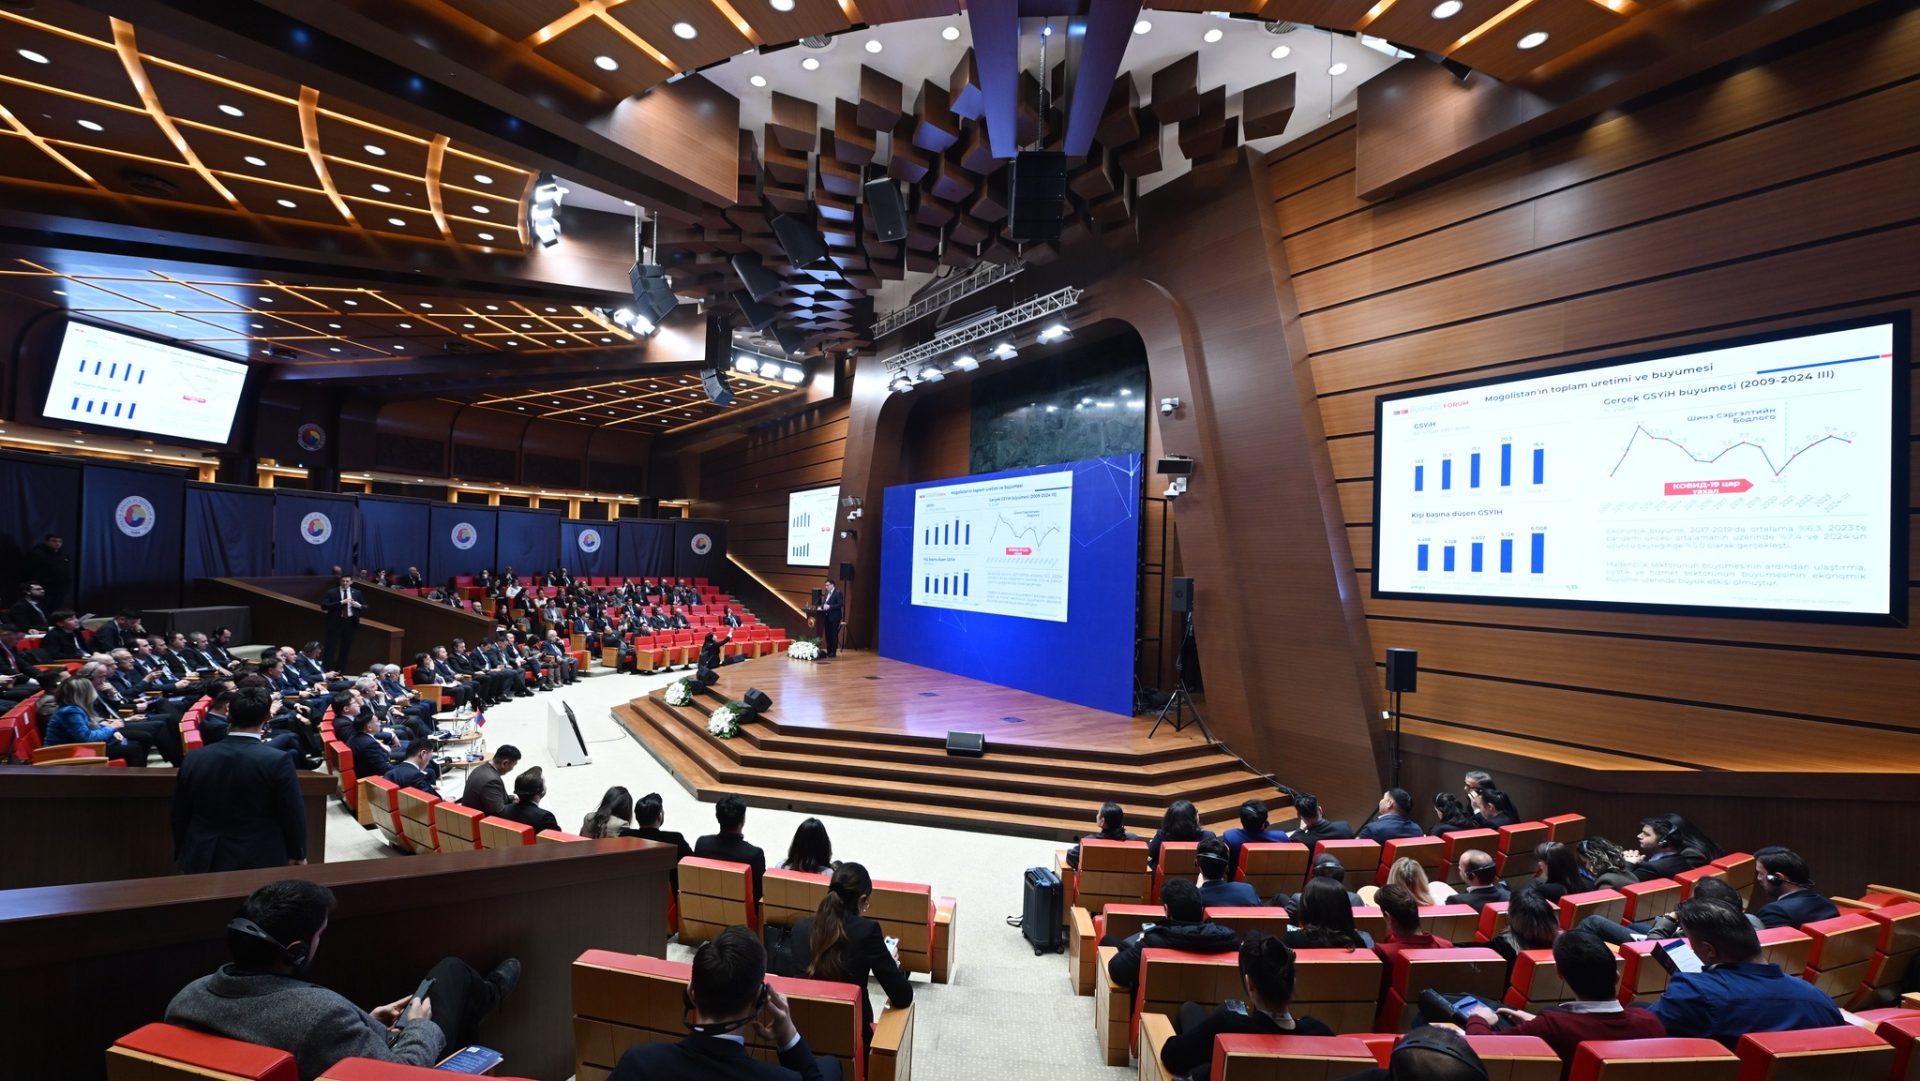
{"points": [[159, 1052]]}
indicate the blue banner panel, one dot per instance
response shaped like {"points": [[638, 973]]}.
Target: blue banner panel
{"points": [[229, 533], [461, 540], [393, 534], [700, 548], [996, 582], [36, 498], [529, 542], [590, 549], [312, 533], [646, 548], [130, 534]]}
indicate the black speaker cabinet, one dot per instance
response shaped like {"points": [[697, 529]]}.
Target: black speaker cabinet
{"points": [[1037, 190], [758, 316], [884, 209], [761, 283], [967, 744], [799, 240], [715, 383], [1183, 595], [1403, 669], [846, 572], [757, 700]]}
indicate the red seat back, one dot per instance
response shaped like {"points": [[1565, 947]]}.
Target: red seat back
{"points": [[156, 1051]]}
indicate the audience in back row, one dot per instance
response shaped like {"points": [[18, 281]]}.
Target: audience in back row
{"points": [[1252, 830], [1217, 887], [730, 844], [1112, 823], [1180, 823]]}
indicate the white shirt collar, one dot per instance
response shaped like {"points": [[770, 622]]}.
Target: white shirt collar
{"points": [[1582, 1006]]}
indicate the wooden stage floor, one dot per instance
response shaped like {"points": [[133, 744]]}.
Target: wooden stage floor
{"points": [[866, 736]]}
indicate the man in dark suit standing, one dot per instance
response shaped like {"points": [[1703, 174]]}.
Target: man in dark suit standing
{"points": [[30, 611], [343, 606], [49, 564], [729, 992], [238, 801], [731, 843], [832, 607]]}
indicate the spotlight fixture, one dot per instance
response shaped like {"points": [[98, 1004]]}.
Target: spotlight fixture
{"points": [[931, 374], [769, 369], [1005, 351], [966, 362], [900, 385], [1053, 332], [543, 216], [744, 362], [792, 374], [1143, 27]]}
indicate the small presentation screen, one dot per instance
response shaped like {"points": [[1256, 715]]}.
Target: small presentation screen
{"points": [[1758, 476], [998, 546], [115, 380], [810, 526]]}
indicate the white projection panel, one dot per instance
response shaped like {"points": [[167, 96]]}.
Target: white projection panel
{"points": [[121, 381], [998, 546], [1746, 476], [810, 517]]}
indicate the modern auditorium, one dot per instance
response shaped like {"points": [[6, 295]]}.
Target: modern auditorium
{"points": [[621, 540]]}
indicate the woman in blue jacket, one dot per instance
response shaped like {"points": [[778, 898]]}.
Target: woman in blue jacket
{"points": [[74, 722]]}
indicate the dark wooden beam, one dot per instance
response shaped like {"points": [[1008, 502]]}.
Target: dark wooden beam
{"points": [[996, 47]]}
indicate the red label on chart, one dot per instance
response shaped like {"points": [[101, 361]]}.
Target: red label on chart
{"points": [[1707, 487], [1019, 551]]}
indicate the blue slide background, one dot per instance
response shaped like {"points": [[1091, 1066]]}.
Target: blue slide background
{"points": [[1087, 660]]}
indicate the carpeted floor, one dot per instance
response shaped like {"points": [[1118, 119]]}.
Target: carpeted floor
{"points": [[1007, 1013]]}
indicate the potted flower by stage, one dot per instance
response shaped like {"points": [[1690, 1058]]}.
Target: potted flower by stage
{"points": [[681, 692], [724, 722], [806, 649]]}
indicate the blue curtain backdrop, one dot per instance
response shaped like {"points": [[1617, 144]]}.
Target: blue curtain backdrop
{"points": [[699, 548], [36, 498], [590, 549], [461, 540], [393, 534], [529, 541], [313, 533], [130, 534], [646, 548], [229, 533]]}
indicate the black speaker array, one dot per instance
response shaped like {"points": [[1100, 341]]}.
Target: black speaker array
{"points": [[713, 365], [885, 211], [1038, 195], [791, 339], [652, 294], [802, 243], [761, 283], [758, 316]]}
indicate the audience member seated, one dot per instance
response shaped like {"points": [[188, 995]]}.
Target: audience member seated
{"points": [[118, 632], [62, 640], [30, 611], [1604, 866], [75, 721], [1481, 875], [486, 790], [199, 656], [416, 769], [1112, 823], [1181, 822], [1492, 808], [731, 843], [1186, 928], [1403, 928], [727, 992], [1669, 844], [1217, 888], [842, 945], [1668, 924], [19, 680], [1475, 780], [1313, 828], [1533, 922], [493, 684], [652, 814], [1324, 919], [1328, 866], [1559, 872], [1736, 993], [413, 579], [1266, 972], [811, 851], [1787, 884], [264, 996], [370, 743], [613, 818], [433, 668], [1587, 966], [1407, 871], [1391, 818], [1252, 828], [528, 790], [1451, 815], [1428, 1053], [554, 652], [215, 723]]}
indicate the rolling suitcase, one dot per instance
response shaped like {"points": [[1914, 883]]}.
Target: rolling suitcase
{"points": [[1040, 913]]}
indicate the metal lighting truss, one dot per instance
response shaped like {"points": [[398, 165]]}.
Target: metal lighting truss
{"points": [[981, 277], [904, 364]]}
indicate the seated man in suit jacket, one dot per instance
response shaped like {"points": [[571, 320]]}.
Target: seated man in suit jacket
{"points": [[1393, 818], [1313, 828], [730, 843], [119, 633], [62, 640], [1787, 883], [729, 993], [486, 792], [417, 770]]}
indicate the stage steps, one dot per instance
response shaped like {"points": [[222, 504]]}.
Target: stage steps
{"points": [[1026, 791]]}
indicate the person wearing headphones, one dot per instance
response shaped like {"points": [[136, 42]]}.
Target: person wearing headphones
{"points": [[1217, 888], [1669, 844], [264, 997], [1787, 883], [1428, 1053], [1481, 874], [727, 993]]}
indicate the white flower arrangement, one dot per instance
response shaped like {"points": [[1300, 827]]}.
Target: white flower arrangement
{"points": [[680, 693], [804, 650], [725, 721]]}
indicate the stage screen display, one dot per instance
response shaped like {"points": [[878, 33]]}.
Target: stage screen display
{"points": [[1023, 578], [810, 517], [1762, 476], [115, 380]]}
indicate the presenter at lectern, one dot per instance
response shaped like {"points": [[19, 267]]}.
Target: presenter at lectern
{"points": [[832, 605]]}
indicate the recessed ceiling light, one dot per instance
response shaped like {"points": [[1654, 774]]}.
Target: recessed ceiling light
{"points": [[951, 33], [579, 326], [555, 401], [424, 304], [811, 63], [397, 221], [29, 54], [352, 303], [521, 408], [376, 151], [1213, 35], [757, 80], [333, 349], [1338, 69], [257, 326], [82, 442], [482, 178], [382, 189], [288, 203], [256, 162], [780, 5], [399, 347], [59, 292], [559, 341], [91, 126], [1534, 40], [873, 45], [1280, 52], [333, 326], [478, 209], [526, 326], [606, 63], [233, 110], [485, 236], [266, 300], [1141, 27], [1446, 9], [512, 342], [469, 326], [493, 307], [685, 31], [604, 341], [406, 326]]}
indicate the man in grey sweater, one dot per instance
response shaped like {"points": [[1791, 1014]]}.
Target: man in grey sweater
{"points": [[263, 997]]}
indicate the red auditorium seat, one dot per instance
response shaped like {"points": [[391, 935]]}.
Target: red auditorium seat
{"points": [[1566, 829], [1689, 879], [1177, 858], [366, 1069], [1517, 845], [1841, 1053], [1461, 841], [1843, 949], [1272, 867], [1608, 904], [1360, 858], [1653, 1060], [158, 1051], [1645, 900], [1429, 852], [1475, 971], [1901, 1030]]}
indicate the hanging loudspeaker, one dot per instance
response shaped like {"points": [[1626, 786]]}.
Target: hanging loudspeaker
{"points": [[884, 209], [1183, 595], [1037, 189], [759, 316], [791, 339], [761, 283], [802, 243], [715, 383]]}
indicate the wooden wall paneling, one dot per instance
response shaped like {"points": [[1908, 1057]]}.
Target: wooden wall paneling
{"points": [[414, 434]]}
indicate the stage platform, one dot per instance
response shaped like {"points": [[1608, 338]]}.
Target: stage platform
{"points": [[864, 736]]}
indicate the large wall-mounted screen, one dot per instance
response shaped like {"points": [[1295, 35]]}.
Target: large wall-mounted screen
{"points": [[109, 379], [810, 517], [1760, 476]]}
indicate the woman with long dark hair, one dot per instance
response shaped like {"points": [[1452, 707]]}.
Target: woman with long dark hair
{"points": [[614, 815], [1325, 919], [1180, 823], [1604, 865], [1452, 815], [1493, 807], [1267, 975], [811, 850], [1559, 872], [844, 946]]}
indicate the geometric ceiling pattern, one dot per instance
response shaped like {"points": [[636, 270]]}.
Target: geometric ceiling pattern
{"points": [[84, 104], [656, 403]]}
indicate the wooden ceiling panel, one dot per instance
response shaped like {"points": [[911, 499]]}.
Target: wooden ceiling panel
{"points": [[196, 102], [514, 19], [715, 37], [150, 179], [808, 17], [309, 204], [347, 142], [1341, 13], [578, 51], [88, 66], [891, 11], [63, 120], [1266, 109], [21, 160], [228, 154], [1568, 25], [389, 219], [1411, 22]]}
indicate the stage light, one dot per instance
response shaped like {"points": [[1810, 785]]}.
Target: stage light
{"points": [[931, 374], [791, 374], [543, 215], [744, 363], [966, 362], [1054, 332], [1005, 351], [900, 385], [769, 369]]}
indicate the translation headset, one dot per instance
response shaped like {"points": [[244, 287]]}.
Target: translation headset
{"points": [[295, 954], [721, 1028]]}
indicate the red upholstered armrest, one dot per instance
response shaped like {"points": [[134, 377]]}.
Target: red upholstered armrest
{"points": [[211, 1052], [1323, 1048], [634, 962], [366, 1069]]}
